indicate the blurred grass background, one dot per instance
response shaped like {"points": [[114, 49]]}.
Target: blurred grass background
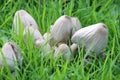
{"points": [[45, 12]]}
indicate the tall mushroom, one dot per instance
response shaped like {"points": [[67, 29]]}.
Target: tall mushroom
{"points": [[22, 19], [61, 30], [10, 55]]}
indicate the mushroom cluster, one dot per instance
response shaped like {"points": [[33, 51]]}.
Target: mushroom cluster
{"points": [[66, 35]]}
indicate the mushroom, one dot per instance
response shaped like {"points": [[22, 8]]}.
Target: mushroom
{"points": [[45, 47], [61, 30], [33, 32], [39, 41], [64, 51], [77, 24], [94, 38], [47, 36], [74, 48], [10, 54], [24, 18]]}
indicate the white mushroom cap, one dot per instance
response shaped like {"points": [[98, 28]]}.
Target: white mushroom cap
{"points": [[63, 50], [25, 18], [61, 30], [11, 54], [33, 32], [47, 36], [77, 24], [74, 48], [51, 27], [94, 37], [46, 48]]}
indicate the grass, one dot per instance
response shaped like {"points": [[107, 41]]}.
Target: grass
{"points": [[35, 67]]}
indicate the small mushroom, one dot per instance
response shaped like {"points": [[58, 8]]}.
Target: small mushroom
{"points": [[74, 48], [47, 36], [94, 38], [24, 18], [10, 54], [61, 30], [77, 24], [33, 32], [51, 27], [63, 50], [45, 47]]}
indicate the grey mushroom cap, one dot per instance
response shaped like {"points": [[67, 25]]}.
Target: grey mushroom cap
{"points": [[61, 30], [11, 55], [44, 45], [74, 48], [63, 50], [94, 37], [76, 23], [47, 36], [33, 32], [24, 18]]}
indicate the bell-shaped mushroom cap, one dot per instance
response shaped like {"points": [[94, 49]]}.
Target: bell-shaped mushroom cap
{"points": [[93, 37], [33, 32], [25, 18], [77, 24], [47, 36], [61, 30], [74, 48], [63, 50], [45, 47], [10, 54]]}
